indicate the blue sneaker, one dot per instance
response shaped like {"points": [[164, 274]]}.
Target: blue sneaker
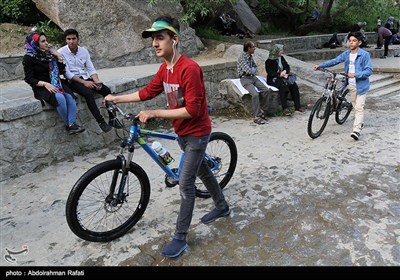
{"points": [[175, 248], [215, 214]]}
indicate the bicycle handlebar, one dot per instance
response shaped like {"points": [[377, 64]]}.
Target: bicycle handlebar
{"points": [[112, 107], [326, 70]]}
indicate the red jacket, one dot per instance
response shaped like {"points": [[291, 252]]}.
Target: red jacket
{"points": [[184, 87]]}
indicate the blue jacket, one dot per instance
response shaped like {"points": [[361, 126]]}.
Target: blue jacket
{"points": [[363, 68]]}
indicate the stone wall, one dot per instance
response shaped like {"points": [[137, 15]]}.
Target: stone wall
{"points": [[33, 137], [309, 43], [11, 68]]}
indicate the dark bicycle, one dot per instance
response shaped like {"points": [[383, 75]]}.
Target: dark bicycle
{"points": [[334, 98], [111, 197]]}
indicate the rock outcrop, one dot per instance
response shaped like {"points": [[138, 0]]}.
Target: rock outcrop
{"points": [[111, 30]]}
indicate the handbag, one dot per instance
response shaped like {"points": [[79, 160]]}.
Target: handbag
{"points": [[291, 79]]}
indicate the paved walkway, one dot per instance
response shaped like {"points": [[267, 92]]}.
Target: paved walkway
{"points": [[295, 201]]}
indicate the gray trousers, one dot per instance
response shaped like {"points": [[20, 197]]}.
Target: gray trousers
{"points": [[251, 84], [194, 165]]}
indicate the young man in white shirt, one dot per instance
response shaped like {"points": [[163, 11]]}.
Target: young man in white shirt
{"points": [[82, 75]]}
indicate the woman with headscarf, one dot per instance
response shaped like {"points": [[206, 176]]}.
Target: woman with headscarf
{"points": [[42, 67], [277, 72]]}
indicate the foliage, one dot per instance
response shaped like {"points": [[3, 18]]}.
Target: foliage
{"points": [[265, 10], [208, 33], [193, 10], [336, 15], [382, 8], [20, 12], [53, 33]]}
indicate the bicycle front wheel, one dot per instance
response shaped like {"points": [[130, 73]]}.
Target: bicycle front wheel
{"points": [[221, 149], [98, 212], [318, 117], [344, 108]]}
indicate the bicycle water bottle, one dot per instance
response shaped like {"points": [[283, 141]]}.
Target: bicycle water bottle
{"points": [[162, 152]]}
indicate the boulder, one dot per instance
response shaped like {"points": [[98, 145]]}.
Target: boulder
{"points": [[239, 98], [247, 17], [111, 30]]}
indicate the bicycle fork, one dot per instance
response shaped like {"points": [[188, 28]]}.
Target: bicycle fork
{"points": [[123, 172]]}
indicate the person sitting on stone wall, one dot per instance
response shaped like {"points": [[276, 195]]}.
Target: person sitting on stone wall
{"points": [[228, 26], [42, 67], [82, 75], [278, 71], [333, 42], [247, 72]]}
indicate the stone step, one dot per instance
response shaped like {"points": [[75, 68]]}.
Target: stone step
{"points": [[384, 84], [391, 89], [379, 77]]}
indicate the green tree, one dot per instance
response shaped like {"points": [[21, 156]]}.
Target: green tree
{"points": [[336, 15], [20, 11], [196, 10]]}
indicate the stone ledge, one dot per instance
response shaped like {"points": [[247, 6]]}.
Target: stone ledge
{"points": [[326, 54], [306, 43], [234, 92], [20, 108], [23, 107]]}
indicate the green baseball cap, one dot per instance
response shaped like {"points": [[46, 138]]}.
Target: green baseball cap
{"points": [[158, 26]]}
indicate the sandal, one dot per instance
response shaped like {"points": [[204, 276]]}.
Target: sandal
{"points": [[259, 121]]}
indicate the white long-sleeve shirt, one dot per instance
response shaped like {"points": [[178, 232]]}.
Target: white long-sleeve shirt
{"points": [[78, 64]]}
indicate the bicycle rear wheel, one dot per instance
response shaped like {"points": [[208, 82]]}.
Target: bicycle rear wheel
{"points": [[318, 117], [222, 149], [344, 107], [95, 214]]}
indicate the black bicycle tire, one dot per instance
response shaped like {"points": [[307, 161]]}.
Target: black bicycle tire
{"points": [[349, 108], [85, 180], [314, 110], [232, 165]]}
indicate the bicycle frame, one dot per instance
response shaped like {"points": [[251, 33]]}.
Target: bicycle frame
{"points": [[335, 100], [111, 197], [137, 134]]}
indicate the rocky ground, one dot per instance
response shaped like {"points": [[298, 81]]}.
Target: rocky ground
{"points": [[12, 38]]}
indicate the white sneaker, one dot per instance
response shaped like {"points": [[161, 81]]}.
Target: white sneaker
{"points": [[355, 135]]}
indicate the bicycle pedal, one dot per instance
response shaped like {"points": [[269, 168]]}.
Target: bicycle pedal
{"points": [[170, 182]]}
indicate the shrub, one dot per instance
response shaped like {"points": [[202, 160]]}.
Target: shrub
{"points": [[53, 33]]}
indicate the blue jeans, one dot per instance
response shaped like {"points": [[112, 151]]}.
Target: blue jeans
{"points": [[66, 107], [194, 164]]}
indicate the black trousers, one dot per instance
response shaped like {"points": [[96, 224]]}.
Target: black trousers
{"points": [[386, 44], [284, 91], [89, 95]]}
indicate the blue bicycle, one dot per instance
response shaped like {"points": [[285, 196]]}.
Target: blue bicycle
{"points": [[111, 197]]}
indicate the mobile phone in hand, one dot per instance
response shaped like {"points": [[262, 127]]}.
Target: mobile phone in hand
{"points": [[98, 85]]}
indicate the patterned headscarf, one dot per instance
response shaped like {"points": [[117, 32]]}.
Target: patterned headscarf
{"points": [[32, 49], [274, 52]]}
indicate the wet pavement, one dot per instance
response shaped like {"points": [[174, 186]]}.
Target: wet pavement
{"points": [[331, 201]]}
